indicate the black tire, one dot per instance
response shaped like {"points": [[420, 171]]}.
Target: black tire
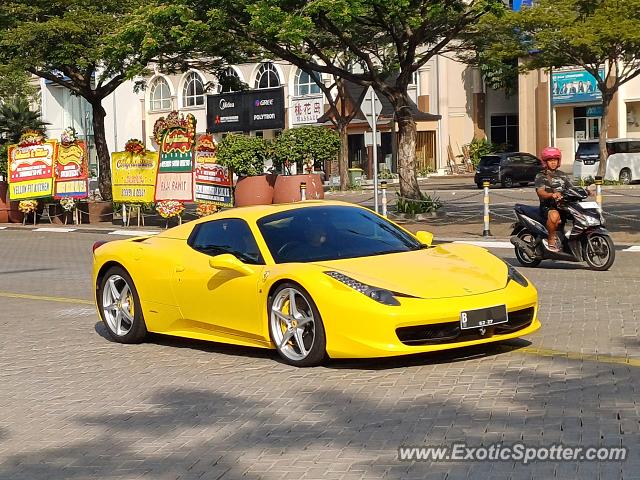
{"points": [[479, 184], [318, 351], [521, 256], [603, 242], [524, 184], [137, 330], [625, 176], [507, 181]]}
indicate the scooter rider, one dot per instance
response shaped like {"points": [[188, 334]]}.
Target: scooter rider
{"points": [[549, 183]]}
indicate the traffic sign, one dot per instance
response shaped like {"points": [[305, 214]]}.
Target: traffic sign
{"points": [[367, 107]]}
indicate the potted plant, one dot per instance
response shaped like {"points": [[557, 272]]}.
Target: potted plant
{"points": [[245, 156], [309, 148]]}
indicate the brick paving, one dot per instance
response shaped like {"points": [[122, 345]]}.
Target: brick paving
{"points": [[74, 405]]}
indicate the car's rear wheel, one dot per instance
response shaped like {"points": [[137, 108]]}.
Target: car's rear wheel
{"points": [[119, 307], [295, 326], [625, 176], [507, 181]]}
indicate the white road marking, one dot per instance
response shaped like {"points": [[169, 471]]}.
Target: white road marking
{"points": [[633, 248], [488, 244], [54, 229], [133, 233]]}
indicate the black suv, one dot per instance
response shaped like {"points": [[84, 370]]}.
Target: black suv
{"points": [[508, 169]]}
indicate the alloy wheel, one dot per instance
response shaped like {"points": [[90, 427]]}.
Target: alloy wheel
{"points": [[293, 324], [118, 305]]}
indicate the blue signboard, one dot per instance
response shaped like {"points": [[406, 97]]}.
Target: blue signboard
{"points": [[575, 87], [518, 4]]}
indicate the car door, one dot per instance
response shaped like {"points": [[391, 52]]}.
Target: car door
{"points": [[224, 302], [512, 166], [533, 166]]}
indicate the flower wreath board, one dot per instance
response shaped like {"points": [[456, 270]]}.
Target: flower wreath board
{"points": [[31, 167]]}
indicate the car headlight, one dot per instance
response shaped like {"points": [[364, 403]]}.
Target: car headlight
{"points": [[516, 276], [380, 295]]}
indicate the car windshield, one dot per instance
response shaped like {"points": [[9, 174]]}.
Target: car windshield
{"points": [[314, 234], [590, 148], [489, 160]]}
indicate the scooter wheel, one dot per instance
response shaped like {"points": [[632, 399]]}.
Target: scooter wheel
{"points": [[599, 252], [522, 256]]}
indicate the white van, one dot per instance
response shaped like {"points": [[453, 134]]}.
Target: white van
{"points": [[623, 163]]}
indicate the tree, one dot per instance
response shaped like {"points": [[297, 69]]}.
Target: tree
{"points": [[389, 40], [15, 83], [74, 44], [16, 116], [601, 36], [303, 144]]}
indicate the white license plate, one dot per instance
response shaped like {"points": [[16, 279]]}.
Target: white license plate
{"points": [[590, 205]]}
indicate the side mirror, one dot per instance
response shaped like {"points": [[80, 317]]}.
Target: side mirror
{"points": [[226, 261], [426, 238]]}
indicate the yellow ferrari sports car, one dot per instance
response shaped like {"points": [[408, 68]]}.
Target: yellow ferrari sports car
{"points": [[310, 279]]}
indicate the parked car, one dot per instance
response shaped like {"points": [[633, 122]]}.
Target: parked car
{"points": [[623, 162], [508, 169]]}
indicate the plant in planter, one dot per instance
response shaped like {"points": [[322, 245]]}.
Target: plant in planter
{"points": [[426, 204], [310, 149], [245, 156]]}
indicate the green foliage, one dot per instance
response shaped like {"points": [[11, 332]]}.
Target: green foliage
{"points": [[423, 172], [306, 147], [4, 160], [16, 116], [425, 204], [243, 154], [479, 147], [14, 82]]}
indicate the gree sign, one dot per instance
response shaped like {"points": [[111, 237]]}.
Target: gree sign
{"points": [[246, 111]]}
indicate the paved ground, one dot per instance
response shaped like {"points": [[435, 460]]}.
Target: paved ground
{"points": [[74, 405]]}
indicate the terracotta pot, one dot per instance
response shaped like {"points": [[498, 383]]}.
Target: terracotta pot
{"points": [[287, 188], [9, 211], [95, 212], [257, 190]]}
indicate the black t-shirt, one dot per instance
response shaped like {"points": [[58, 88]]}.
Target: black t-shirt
{"points": [[552, 181]]}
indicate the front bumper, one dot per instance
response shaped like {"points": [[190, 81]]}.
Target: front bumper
{"points": [[384, 331], [492, 178]]}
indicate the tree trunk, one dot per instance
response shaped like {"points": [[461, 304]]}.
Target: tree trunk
{"points": [[604, 132], [343, 157], [407, 152], [104, 159]]}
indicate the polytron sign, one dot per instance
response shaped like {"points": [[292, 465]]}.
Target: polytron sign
{"points": [[31, 170], [176, 154]]}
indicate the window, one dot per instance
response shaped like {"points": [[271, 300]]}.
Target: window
{"points": [[193, 90], [267, 76], [160, 95], [229, 81], [504, 131], [229, 235], [305, 84]]}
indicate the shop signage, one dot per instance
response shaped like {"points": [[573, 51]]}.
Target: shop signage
{"points": [[213, 181], [31, 170], [575, 87], [306, 109], [246, 111]]}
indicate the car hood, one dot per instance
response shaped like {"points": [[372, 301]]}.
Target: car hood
{"points": [[449, 270]]}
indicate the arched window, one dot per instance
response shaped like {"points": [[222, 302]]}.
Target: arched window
{"points": [[193, 90], [267, 76], [305, 84], [160, 95], [229, 81]]}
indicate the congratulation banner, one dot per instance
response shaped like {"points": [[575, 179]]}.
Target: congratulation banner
{"points": [[134, 176], [176, 137], [31, 168], [213, 182], [70, 171]]}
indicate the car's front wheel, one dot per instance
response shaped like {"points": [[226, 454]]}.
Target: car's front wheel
{"points": [[119, 307], [295, 326]]}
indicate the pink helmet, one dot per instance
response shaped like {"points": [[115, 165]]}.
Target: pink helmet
{"points": [[549, 153]]}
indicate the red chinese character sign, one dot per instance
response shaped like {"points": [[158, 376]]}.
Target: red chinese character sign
{"points": [[307, 110], [176, 137], [71, 167], [31, 167], [213, 181]]}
